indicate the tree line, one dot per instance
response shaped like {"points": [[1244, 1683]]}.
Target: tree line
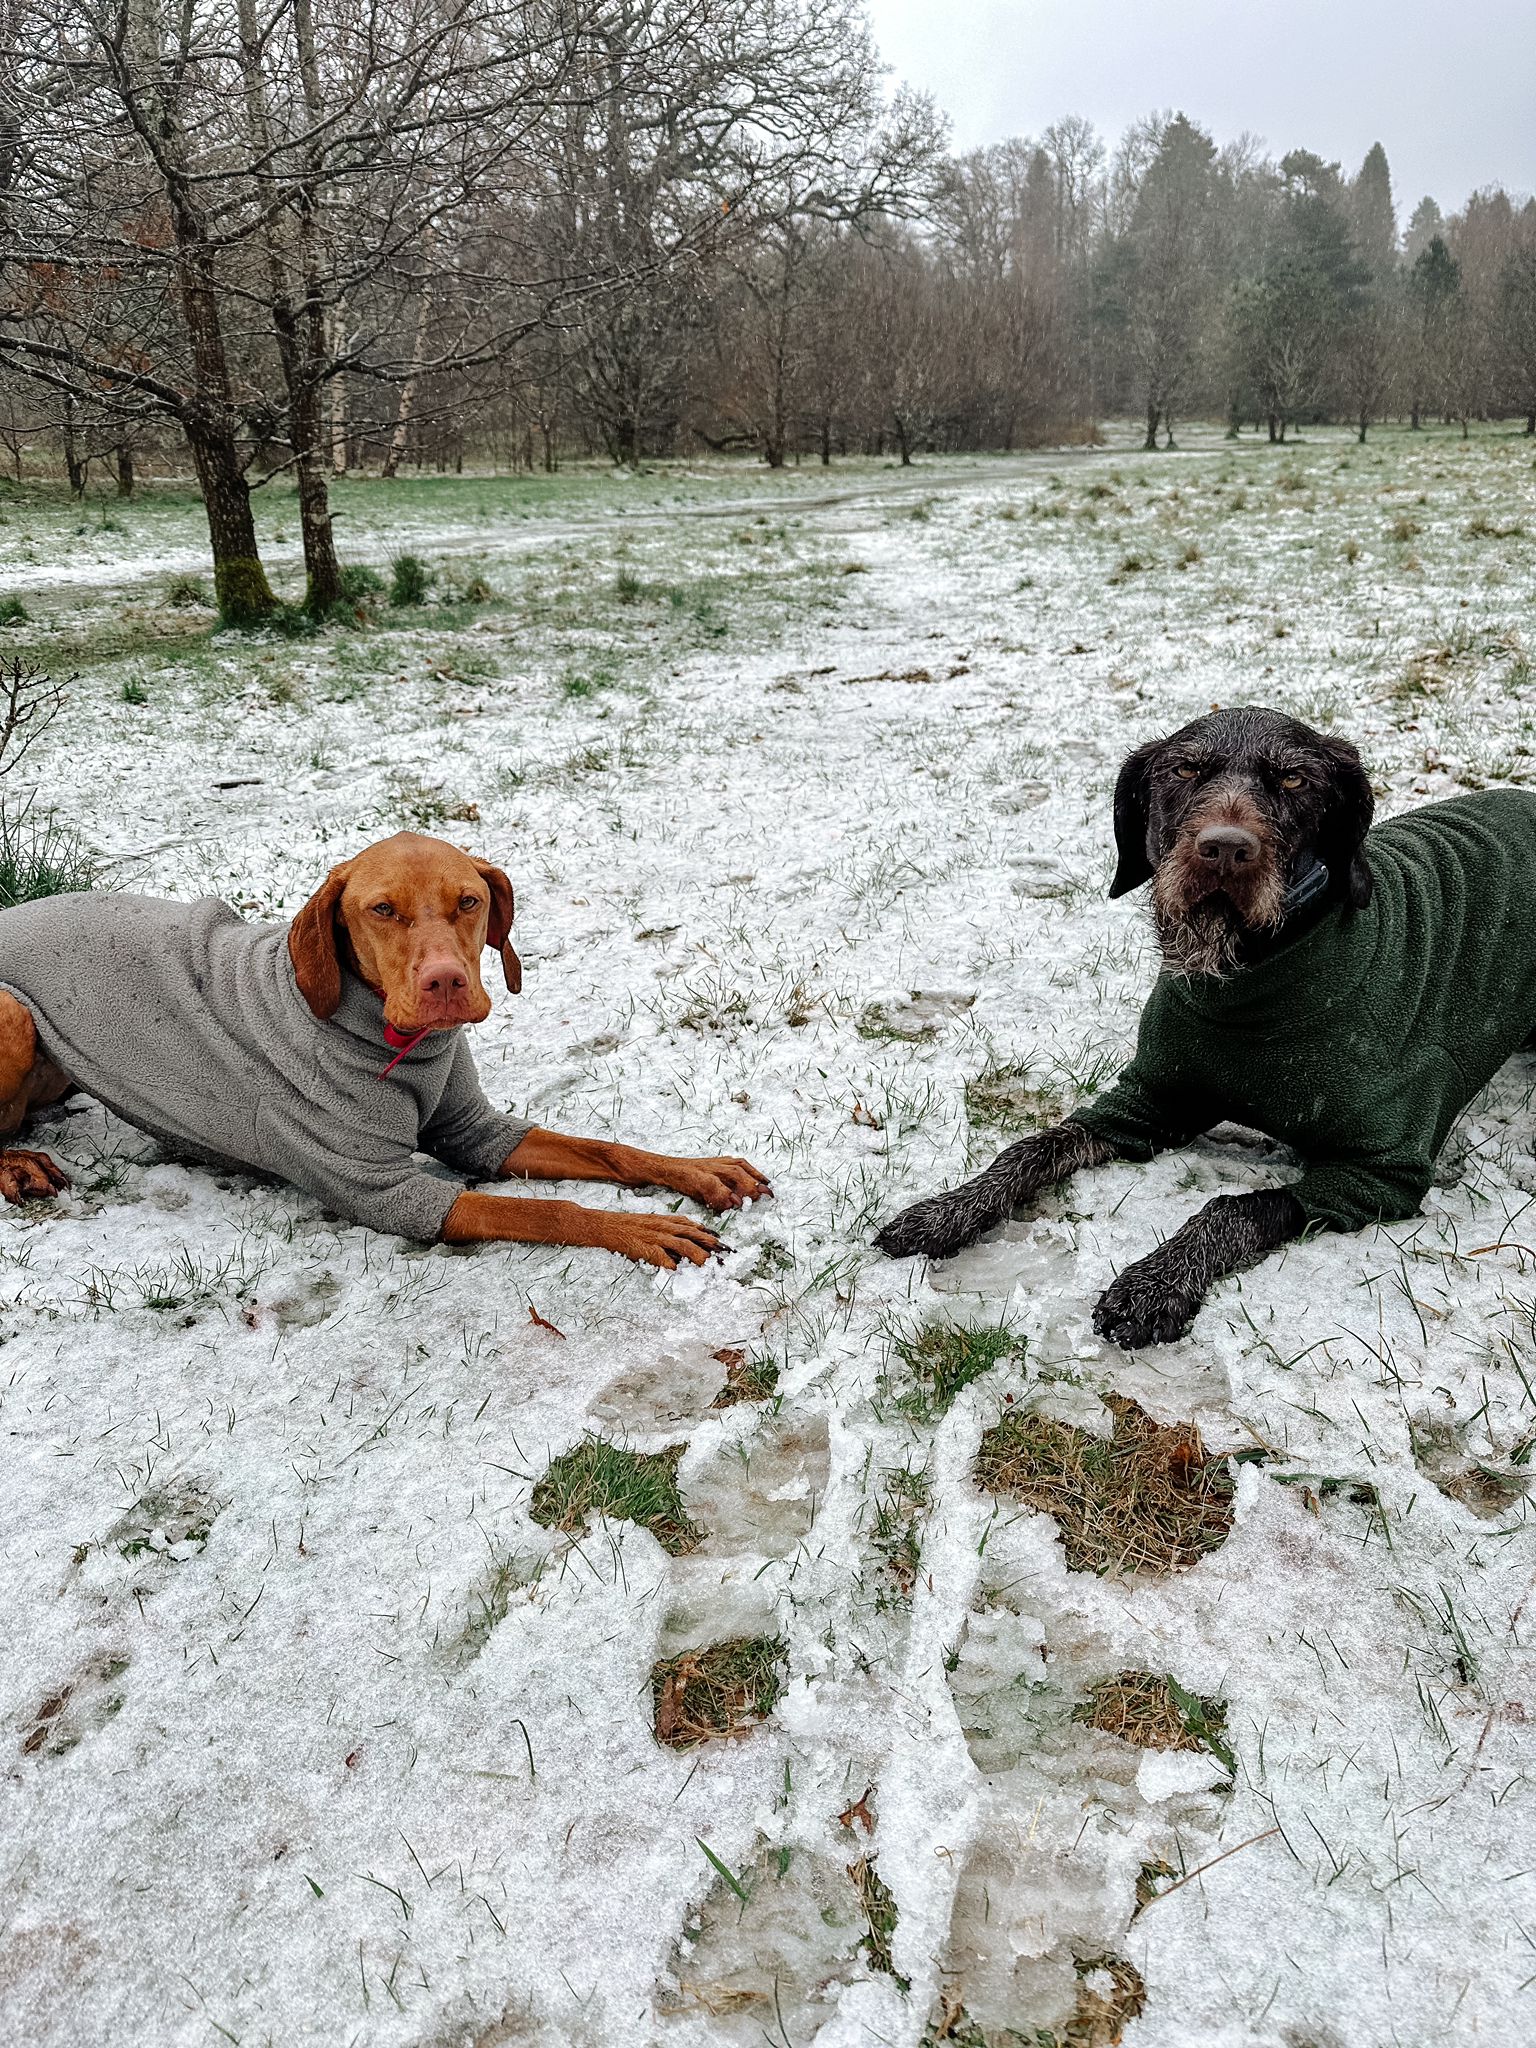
{"points": [[285, 239]]}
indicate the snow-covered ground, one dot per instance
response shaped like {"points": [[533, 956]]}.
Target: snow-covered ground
{"points": [[312, 1734]]}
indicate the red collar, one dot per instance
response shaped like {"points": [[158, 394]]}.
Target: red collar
{"points": [[403, 1042]]}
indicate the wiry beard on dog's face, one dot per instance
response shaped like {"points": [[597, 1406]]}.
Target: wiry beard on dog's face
{"points": [[1205, 939], [1202, 930]]}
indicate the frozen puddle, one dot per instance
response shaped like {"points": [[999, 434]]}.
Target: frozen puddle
{"points": [[758, 1498], [1029, 1272], [768, 1966], [679, 1386], [1073, 1819]]}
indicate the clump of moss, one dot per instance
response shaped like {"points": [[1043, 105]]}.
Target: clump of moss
{"points": [[596, 1477], [724, 1690], [1146, 1498]]}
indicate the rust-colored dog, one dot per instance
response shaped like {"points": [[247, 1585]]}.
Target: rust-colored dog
{"points": [[407, 918]]}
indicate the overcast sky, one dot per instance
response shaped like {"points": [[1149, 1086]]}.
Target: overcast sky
{"points": [[1448, 87]]}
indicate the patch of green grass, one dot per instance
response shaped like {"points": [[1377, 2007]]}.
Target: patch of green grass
{"points": [[13, 612], [167, 1518], [425, 805], [943, 1359], [746, 1378], [897, 1535], [723, 1690], [596, 1477], [1006, 1099], [186, 591], [40, 857], [133, 691], [409, 580]]}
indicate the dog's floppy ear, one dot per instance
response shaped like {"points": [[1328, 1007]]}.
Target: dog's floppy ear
{"points": [[312, 944], [1131, 818], [498, 930], [1351, 806]]}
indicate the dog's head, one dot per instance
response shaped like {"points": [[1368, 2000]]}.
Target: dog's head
{"points": [[411, 916], [1224, 816]]}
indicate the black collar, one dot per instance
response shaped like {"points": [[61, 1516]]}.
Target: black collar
{"points": [[1309, 883]]}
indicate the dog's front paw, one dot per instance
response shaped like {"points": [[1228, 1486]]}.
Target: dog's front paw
{"points": [[1143, 1307], [935, 1229]]}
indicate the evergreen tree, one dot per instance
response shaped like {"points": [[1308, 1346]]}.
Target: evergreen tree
{"points": [[1427, 221], [1434, 286], [1373, 216]]}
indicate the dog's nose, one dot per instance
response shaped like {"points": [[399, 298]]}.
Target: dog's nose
{"points": [[442, 978], [1226, 847]]}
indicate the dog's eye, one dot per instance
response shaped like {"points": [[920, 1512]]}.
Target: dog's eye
{"points": [[383, 910], [469, 903], [1186, 771], [1292, 781]]}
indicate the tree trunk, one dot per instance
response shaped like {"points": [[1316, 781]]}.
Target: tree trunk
{"points": [[76, 470], [901, 440], [1274, 428], [1530, 421], [338, 397], [407, 406], [826, 442], [239, 581], [1365, 421], [1154, 413], [1413, 416], [125, 471]]}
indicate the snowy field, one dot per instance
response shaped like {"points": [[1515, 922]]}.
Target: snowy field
{"points": [[315, 1733]]}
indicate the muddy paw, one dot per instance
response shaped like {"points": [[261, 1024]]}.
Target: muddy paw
{"points": [[1142, 1308]]}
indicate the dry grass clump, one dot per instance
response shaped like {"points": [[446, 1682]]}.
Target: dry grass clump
{"points": [[1403, 528], [1145, 1499], [1481, 527], [1155, 1712], [725, 1690], [596, 1477], [1110, 1994], [879, 1904]]}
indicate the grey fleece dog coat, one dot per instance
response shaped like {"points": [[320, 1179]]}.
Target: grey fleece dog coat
{"points": [[187, 1021]]}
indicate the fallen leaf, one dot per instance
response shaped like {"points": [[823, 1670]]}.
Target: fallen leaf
{"points": [[543, 1323], [859, 1811]]}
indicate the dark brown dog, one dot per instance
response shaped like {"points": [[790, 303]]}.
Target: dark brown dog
{"points": [[1250, 826]]}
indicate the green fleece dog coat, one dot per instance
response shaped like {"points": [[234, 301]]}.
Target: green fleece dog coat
{"points": [[1361, 1042], [187, 1021]]}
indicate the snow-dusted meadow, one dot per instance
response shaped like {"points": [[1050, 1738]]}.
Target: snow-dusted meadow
{"points": [[312, 1734]]}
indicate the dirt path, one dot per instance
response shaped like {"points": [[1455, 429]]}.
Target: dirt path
{"points": [[105, 579]]}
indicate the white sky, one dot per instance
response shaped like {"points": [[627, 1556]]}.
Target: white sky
{"points": [[1449, 90]]}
